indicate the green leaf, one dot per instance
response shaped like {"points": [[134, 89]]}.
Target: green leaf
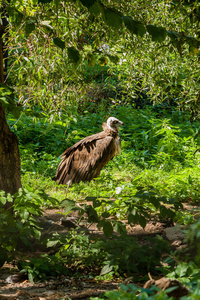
{"points": [[160, 146], [51, 244], [193, 50], [173, 35], [108, 229], [132, 215], [103, 61], [166, 212], [3, 200], [46, 25], [142, 221], [36, 233], [91, 60], [88, 3], [58, 42], [44, 1], [106, 214], [181, 269], [170, 213], [30, 277], [25, 214], [9, 198], [5, 90], [112, 18], [131, 218], [194, 45], [106, 269], [90, 198], [157, 33], [15, 14], [132, 210], [155, 201], [114, 58], [29, 27], [120, 228], [97, 8], [134, 26], [73, 55], [4, 101], [15, 111], [92, 214], [96, 203], [33, 113], [68, 204], [7, 99]]}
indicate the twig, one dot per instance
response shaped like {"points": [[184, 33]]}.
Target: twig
{"points": [[86, 294]]}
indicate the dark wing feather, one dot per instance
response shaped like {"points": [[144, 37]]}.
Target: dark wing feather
{"points": [[84, 160]]}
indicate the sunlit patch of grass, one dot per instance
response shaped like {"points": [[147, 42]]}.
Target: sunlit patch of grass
{"points": [[182, 184]]}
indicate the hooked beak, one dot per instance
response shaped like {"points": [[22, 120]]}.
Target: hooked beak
{"points": [[121, 123]]}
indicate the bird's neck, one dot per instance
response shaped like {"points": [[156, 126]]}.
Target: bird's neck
{"points": [[110, 130], [107, 126]]}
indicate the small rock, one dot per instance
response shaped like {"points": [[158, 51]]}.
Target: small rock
{"points": [[174, 233]]}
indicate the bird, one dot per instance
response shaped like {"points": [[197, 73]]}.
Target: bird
{"points": [[84, 160]]}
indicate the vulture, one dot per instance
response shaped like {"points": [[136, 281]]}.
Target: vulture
{"points": [[84, 160]]}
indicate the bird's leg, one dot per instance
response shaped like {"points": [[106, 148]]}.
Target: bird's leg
{"points": [[68, 185]]}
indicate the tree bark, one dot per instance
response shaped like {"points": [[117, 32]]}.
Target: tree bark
{"points": [[10, 175], [1, 55]]}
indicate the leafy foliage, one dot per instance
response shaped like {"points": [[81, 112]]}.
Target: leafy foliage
{"points": [[135, 40], [41, 268], [8, 101], [186, 273], [132, 292], [115, 257], [18, 224]]}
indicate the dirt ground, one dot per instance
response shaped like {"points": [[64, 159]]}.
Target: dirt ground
{"points": [[16, 287]]}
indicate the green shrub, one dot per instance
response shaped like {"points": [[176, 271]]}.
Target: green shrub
{"points": [[39, 269], [132, 292], [18, 224]]}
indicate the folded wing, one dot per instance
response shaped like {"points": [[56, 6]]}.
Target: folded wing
{"points": [[84, 160]]}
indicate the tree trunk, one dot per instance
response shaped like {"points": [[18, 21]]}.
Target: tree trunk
{"points": [[1, 54], [10, 175]]}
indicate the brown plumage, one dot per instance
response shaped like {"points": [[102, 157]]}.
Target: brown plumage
{"points": [[84, 160]]}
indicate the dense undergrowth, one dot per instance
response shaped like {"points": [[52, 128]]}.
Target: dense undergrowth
{"points": [[158, 150], [156, 173]]}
